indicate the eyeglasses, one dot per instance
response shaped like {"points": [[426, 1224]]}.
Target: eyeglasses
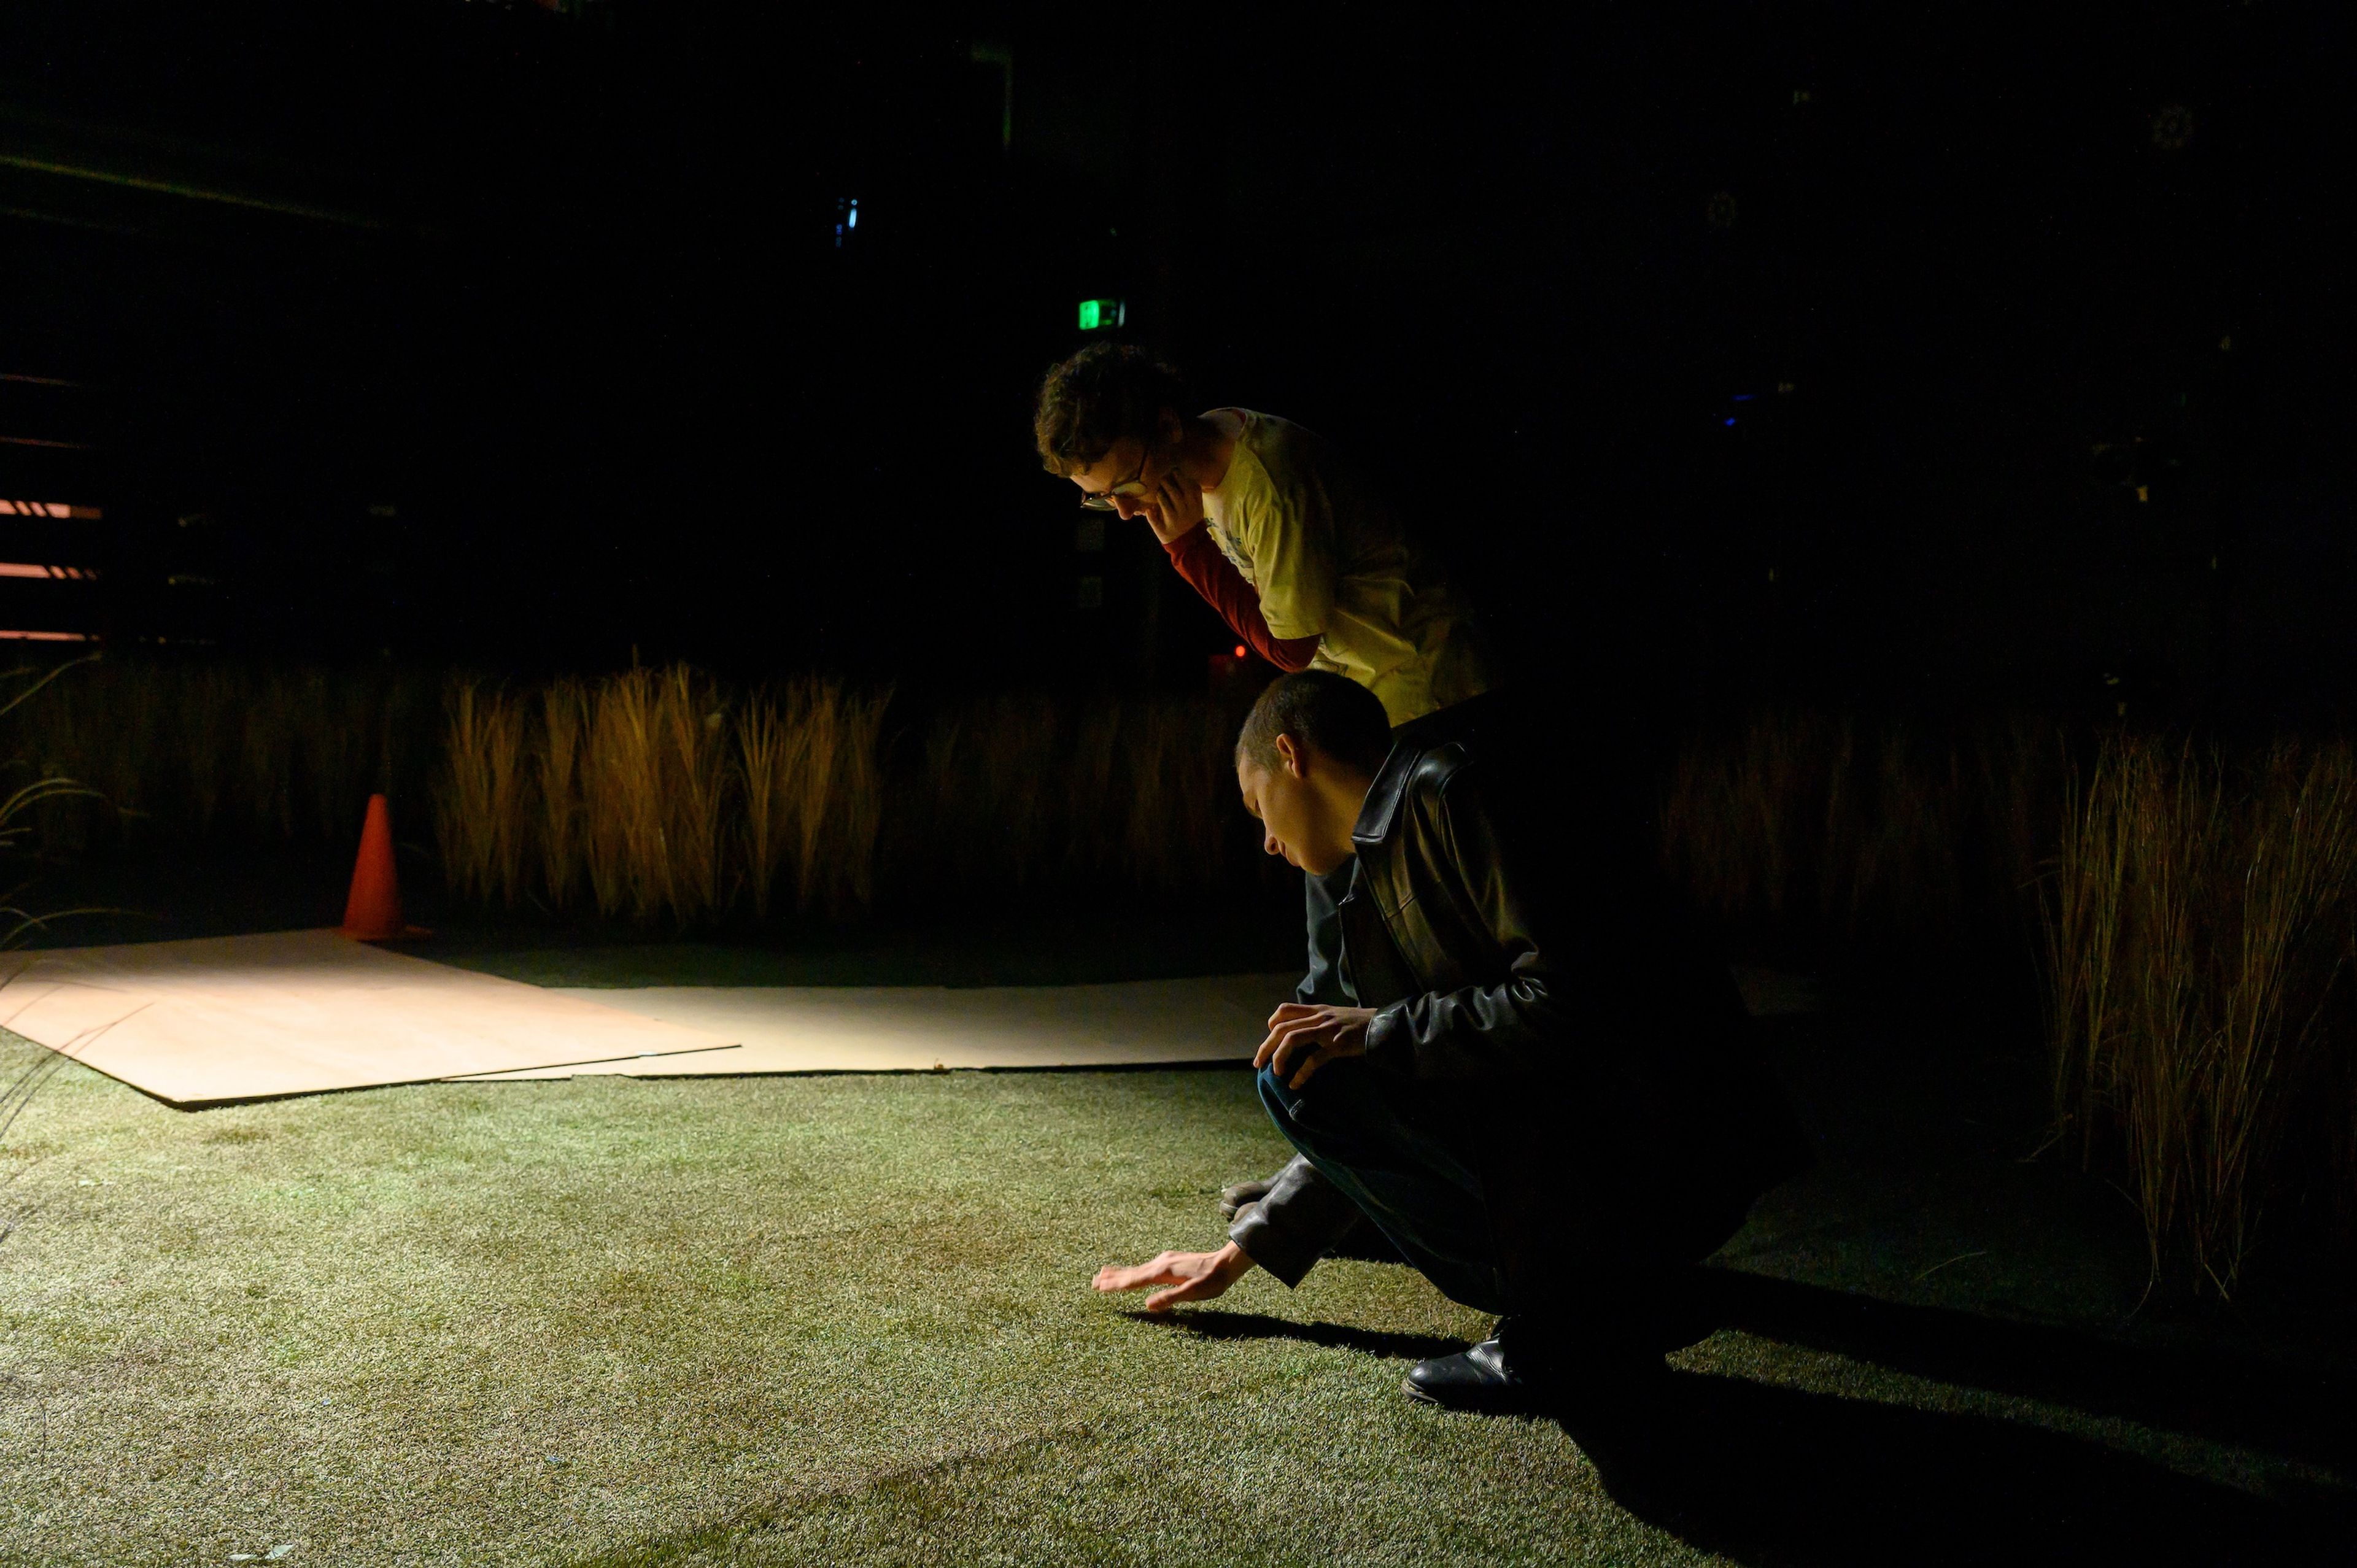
{"points": [[1102, 501]]}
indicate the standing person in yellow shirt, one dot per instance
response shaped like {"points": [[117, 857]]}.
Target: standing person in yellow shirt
{"points": [[1289, 540], [1300, 552]]}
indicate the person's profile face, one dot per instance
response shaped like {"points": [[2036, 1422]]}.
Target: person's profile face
{"points": [[1128, 474], [1119, 478], [1287, 809]]}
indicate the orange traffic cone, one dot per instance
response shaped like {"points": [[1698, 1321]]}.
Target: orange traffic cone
{"points": [[372, 913]]}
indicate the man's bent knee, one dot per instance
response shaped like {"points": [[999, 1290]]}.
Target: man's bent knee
{"points": [[1335, 1095], [1344, 1099], [1281, 1102]]}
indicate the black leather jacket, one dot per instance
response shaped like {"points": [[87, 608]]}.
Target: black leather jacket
{"points": [[1517, 949]]}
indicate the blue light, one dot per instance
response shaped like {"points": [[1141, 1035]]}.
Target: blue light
{"points": [[1728, 422], [1740, 397], [853, 222]]}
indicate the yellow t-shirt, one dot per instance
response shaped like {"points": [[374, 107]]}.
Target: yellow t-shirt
{"points": [[1331, 560]]}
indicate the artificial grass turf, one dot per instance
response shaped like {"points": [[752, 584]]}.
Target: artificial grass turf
{"points": [[839, 1319]]}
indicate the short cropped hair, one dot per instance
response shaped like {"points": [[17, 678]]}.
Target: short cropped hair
{"points": [[1099, 395], [1319, 709]]}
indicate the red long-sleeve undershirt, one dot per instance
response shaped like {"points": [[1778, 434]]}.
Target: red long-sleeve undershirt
{"points": [[1215, 577]]}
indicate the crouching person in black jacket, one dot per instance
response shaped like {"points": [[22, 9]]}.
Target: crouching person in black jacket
{"points": [[1543, 1095]]}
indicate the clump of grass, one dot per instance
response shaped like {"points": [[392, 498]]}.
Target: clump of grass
{"points": [[266, 756], [690, 714], [855, 799], [2085, 900], [1802, 826], [622, 791], [769, 747], [479, 812], [665, 796], [991, 759], [1099, 814], [100, 729], [1130, 792], [2196, 910], [18, 802], [337, 728], [660, 796], [227, 751], [556, 789], [22, 796], [1176, 758], [207, 741], [2198, 925], [821, 715]]}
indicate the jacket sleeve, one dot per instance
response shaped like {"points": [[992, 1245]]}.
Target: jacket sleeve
{"points": [[1521, 1023], [1290, 1229]]}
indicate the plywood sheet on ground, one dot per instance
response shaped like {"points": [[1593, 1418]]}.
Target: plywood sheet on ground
{"points": [[250, 1017], [916, 1028]]}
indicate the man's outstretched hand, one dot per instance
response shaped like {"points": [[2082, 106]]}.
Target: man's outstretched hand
{"points": [[1189, 1276]]}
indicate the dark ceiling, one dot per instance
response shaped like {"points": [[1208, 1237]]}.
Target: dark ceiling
{"points": [[1889, 352]]}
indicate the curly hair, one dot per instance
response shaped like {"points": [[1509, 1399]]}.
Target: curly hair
{"points": [[1099, 395]]}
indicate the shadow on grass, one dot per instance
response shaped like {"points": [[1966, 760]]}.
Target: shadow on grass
{"points": [[1770, 1476], [2299, 1412], [1214, 1325]]}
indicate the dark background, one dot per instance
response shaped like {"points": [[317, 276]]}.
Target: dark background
{"points": [[1884, 355]]}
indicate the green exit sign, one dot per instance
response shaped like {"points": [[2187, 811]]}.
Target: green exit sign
{"points": [[1101, 313]]}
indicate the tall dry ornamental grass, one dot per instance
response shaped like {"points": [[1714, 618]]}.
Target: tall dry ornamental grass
{"points": [[2197, 914], [666, 797], [622, 798], [661, 796], [479, 814], [696, 777], [556, 788], [2197, 939], [854, 796], [1794, 821], [1018, 790], [819, 719], [225, 750], [654, 795], [770, 749]]}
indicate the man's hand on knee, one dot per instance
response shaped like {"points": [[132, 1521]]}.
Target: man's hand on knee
{"points": [[1302, 1038], [1189, 1276]]}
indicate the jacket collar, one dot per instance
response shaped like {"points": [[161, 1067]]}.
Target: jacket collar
{"points": [[1375, 817]]}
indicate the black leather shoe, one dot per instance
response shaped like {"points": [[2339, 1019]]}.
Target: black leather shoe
{"points": [[1533, 1367], [1483, 1379]]}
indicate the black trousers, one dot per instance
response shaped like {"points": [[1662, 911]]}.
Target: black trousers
{"points": [[1512, 1198]]}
